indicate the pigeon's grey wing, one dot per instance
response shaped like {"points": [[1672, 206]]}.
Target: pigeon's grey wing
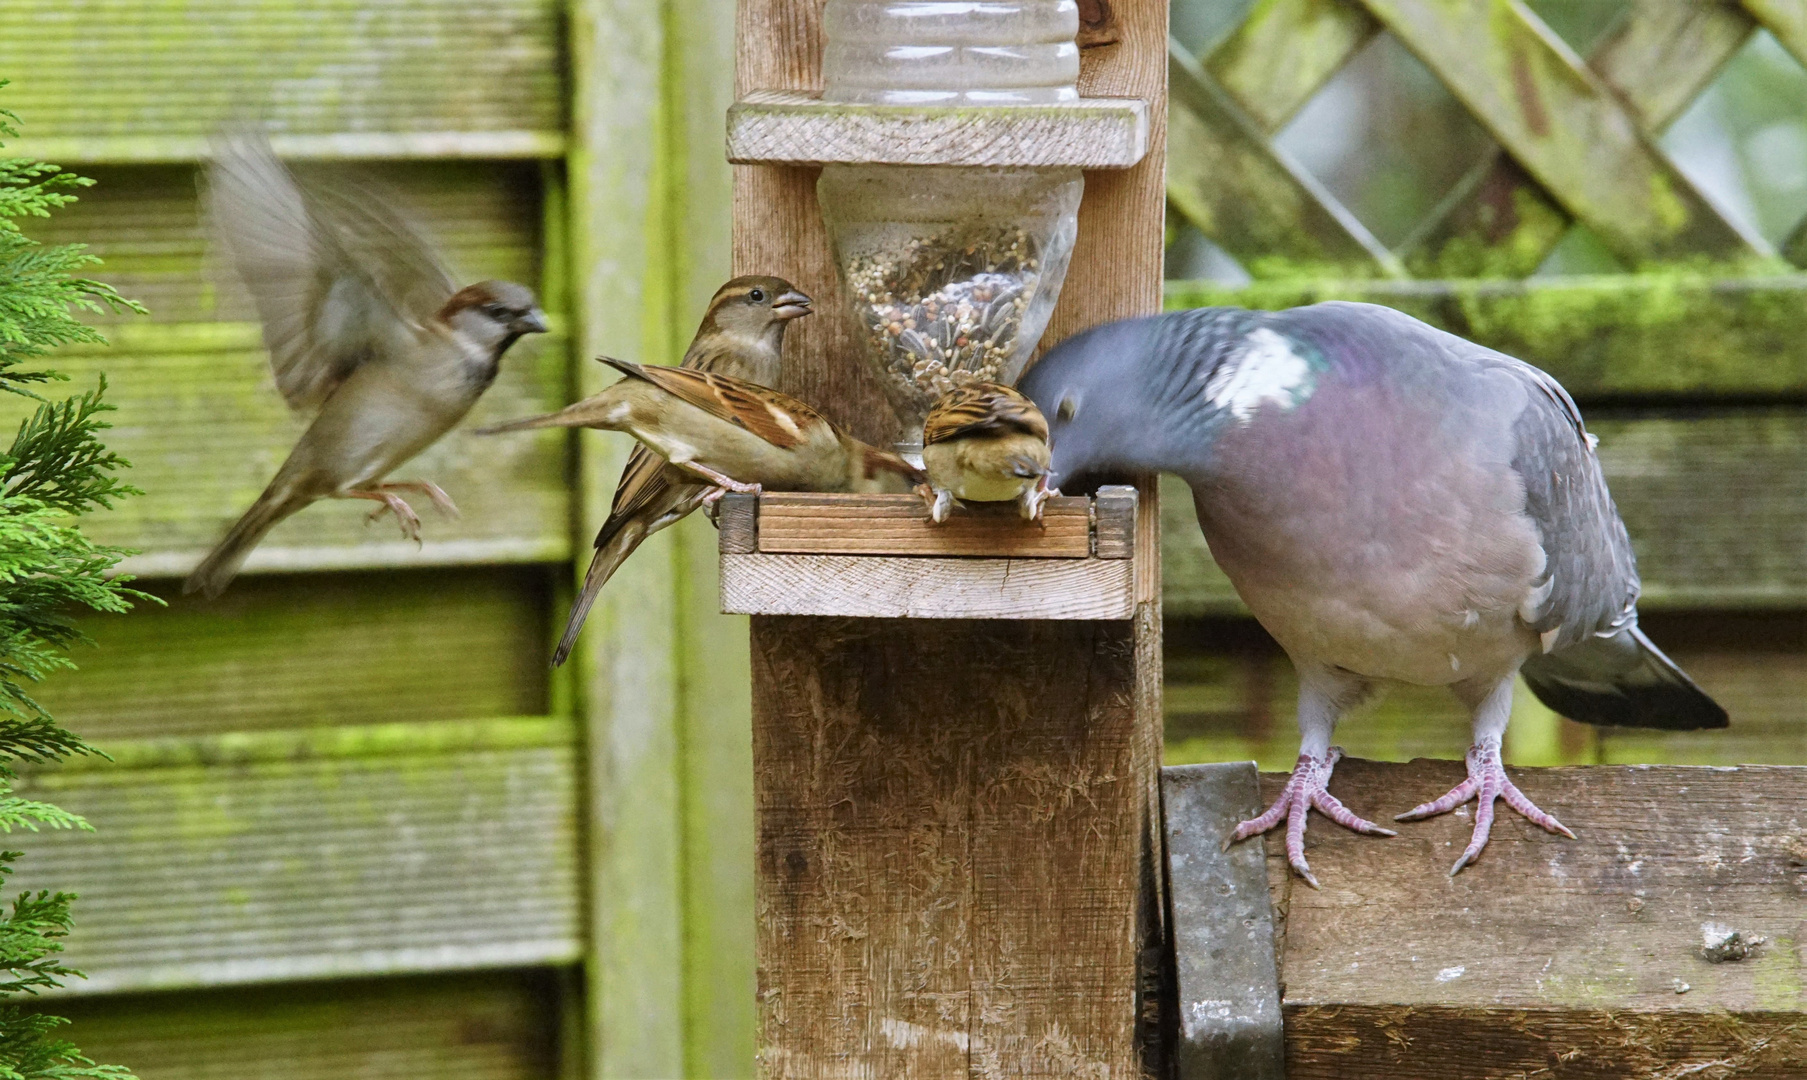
{"points": [[1589, 584], [332, 280]]}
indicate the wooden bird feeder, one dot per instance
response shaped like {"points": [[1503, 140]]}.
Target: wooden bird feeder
{"points": [[956, 728]]}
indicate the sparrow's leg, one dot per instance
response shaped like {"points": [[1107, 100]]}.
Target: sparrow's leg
{"points": [[1487, 778], [430, 490], [1029, 503], [404, 513], [1325, 694], [725, 484]]}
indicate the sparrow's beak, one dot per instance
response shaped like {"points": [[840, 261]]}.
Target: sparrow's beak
{"points": [[791, 305], [534, 322]]}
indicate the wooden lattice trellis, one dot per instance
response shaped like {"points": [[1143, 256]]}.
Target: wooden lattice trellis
{"points": [[1575, 138]]}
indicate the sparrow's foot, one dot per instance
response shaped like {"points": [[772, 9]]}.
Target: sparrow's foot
{"points": [[441, 500], [1029, 503], [722, 482], [941, 505], [1308, 787], [410, 521], [1487, 780]]}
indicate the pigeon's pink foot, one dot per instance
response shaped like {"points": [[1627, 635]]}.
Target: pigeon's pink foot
{"points": [[1308, 787], [1486, 779]]}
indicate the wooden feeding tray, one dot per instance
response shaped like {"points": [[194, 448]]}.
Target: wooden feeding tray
{"points": [[880, 556]]}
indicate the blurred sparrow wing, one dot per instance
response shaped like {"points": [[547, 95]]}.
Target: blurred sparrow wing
{"points": [[982, 408], [777, 418], [334, 274]]}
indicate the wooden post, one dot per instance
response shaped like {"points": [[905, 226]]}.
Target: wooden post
{"points": [[958, 854]]}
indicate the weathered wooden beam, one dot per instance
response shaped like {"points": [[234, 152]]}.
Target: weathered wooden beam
{"points": [[958, 847], [1713, 505], [313, 853], [1230, 181], [334, 146], [624, 245], [1283, 51], [1676, 336], [1499, 222], [892, 588], [1553, 957], [1564, 126], [497, 1025], [779, 127], [1786, 19]]}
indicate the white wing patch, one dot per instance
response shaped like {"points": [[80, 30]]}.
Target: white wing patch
{"points": [[1265, 370]]}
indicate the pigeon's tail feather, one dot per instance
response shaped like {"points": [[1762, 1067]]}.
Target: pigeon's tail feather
{"points": [[612, 549], [1621, 681]]}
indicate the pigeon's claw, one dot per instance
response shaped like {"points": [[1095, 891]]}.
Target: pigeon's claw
{"points": [[1487, 781], [1309, 787]]}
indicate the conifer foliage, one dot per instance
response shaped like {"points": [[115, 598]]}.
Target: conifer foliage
{"points": [[54, 470]]}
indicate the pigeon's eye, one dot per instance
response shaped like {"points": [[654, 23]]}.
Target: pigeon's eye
{"points": [[757, 296], [1069, 408]]}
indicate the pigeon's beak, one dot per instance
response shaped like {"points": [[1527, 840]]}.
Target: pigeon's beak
{"points": [[791, 305], [534, 322]]}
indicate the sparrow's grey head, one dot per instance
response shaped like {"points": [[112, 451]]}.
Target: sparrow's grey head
{"points": [[755, 308], [1125, 397], [494, 314]]}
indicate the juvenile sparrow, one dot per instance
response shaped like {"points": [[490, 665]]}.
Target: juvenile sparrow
{"points": [[731, 434], [365, 325], [741, 336], [988, 443]]}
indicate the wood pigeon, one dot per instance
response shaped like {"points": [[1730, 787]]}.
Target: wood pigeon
{"points": [[1394, 504]]}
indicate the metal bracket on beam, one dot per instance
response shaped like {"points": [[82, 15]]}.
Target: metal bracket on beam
{"points": [[1223, 927]]}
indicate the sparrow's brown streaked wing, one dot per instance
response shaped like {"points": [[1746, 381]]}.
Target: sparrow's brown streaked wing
{"points": [[777, 418], [334, 275], [644, 483], [981, 407]]}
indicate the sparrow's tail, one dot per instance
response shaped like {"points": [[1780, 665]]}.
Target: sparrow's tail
{"points": [[604, 411], [222, 563], [1025, 468], [612, 549], [1621, 681]]}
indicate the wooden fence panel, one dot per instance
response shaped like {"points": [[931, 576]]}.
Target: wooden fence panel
{"points": [[97, 80], [286, 855]]}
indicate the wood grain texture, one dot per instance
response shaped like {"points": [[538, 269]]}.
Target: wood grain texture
{"points": [[306, 854], [1253, 200], [900, 525], [788, 128], [317, 650], [1550, 956], [1283, 51], [879, 587], [1499, 222], [493, 1026], [932, 903], [1662, 336], [1114, 531], [625, 249], [1557, 119], [949, 935], [304, 66]]}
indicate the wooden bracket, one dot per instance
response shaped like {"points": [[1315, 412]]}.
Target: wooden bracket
{"points": [[879, 556], [772, 127]]}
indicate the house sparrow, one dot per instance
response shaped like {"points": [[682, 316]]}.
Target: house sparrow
{"points": [[1394, 504], [741, 335], [988, 443], [364, 325], [731, 434]]}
